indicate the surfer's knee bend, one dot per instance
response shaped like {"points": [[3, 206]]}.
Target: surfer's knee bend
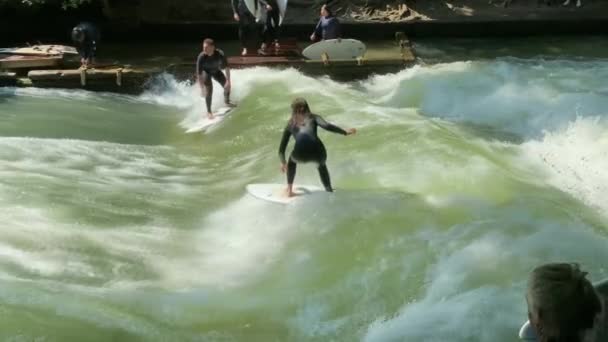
{"points": [[325, 179]]}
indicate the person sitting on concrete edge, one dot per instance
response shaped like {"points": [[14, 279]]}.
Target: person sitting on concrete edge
{"points": [[328, 26]]}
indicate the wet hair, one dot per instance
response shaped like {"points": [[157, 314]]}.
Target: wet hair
{"points": [[562, 302], [77, 34], [298, 106], [328, 9], [209, 41]]}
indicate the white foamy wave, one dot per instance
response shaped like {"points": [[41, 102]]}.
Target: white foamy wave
{"points": [[575, 159], [475, 291], [258, 86], [166, 90], [93, 170], [403, 89], [225, 248], [68, 95], [521, 97], [235, 245]]}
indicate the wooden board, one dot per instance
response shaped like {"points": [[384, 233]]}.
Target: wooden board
{"points": [[8, 62], [40, 50]]}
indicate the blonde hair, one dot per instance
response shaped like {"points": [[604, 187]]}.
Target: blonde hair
{"points": [[299, 107]]}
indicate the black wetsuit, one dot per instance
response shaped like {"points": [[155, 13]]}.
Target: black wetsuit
{"points": [[308, 147], [328, 28], [88, 47], [247, 27], [271, 27], [210, 67]]}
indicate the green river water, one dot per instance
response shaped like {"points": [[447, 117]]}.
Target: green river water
{"points": [[468, 170]]}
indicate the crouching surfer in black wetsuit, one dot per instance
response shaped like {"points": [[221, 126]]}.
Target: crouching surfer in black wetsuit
{"points": [[86, 37], [209, 66], [308, 147]]}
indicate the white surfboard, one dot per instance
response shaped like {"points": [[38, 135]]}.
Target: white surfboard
{"points": [[282, 10], [40, 50], [260, 12], [335, 49], [276, 192], [204, 122], [526, 333], [256, 9]]}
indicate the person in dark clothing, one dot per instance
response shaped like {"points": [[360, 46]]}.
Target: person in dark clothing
{"points": [[209, 65], [246, 20], [271, 26], [308, 147], [328, 26], [86, 38], [564, 306]]}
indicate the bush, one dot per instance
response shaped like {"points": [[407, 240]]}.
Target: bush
{"points": [[65, 4]]}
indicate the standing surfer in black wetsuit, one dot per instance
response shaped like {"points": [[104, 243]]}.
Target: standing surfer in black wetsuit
{"points": [[308, 147], [209, 65]]}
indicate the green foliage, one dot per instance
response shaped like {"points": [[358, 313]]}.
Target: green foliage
{"points": [[65, 4]]}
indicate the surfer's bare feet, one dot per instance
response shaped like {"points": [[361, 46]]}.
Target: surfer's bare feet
{"points": [[244, 52], [289, 191], [262, 50], [210, 116]]}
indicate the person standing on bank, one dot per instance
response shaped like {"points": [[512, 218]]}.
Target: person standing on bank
{"points": [[246, 22], [86, 38], [209, 65], [271, 27]]}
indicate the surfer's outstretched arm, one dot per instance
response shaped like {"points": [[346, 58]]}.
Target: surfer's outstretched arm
{"points": [[331, 127], [283, 145]]}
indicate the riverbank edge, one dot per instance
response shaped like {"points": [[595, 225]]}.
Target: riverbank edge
{"points": [[474, 27]]}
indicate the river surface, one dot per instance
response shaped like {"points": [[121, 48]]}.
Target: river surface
{"points": [[485, 160]]}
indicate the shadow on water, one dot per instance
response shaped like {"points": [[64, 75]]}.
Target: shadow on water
{"points": [[488, 132], [6, 93]]}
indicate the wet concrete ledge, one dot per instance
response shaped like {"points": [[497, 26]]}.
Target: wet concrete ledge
{"points": [[127, 79]]}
